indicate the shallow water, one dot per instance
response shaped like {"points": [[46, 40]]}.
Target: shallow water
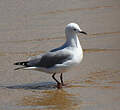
{"points": [[29, 28]]}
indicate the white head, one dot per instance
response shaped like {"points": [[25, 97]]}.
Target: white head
{"points": [[73, 28]]}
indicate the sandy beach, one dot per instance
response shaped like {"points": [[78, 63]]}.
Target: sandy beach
{"points": [[32, 27]]}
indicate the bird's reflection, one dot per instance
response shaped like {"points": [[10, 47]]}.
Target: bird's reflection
{"points": [[52, 99]]}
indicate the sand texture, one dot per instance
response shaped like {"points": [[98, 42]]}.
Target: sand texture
{"points": [[32, 27]]}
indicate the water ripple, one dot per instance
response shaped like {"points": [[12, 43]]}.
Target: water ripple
{"points": [[91, 35], [77, 9]]}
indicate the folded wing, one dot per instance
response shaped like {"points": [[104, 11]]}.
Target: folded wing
{"points": [[50, 59]]}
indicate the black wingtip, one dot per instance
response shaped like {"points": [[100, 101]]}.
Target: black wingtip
{"points": [[17, 63], [21, 63]]}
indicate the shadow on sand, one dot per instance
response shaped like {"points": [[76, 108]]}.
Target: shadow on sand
{"points": [[37, 86]]}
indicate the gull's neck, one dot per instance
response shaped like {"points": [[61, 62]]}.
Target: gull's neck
{"points": [[72, 40]]}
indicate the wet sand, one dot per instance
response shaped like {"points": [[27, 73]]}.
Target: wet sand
{"points": [[29, 28]]}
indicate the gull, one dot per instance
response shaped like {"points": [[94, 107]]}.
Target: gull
{"points": [[58, 60]]}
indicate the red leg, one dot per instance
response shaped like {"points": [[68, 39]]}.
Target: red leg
{"points": [[59, 85], [61, 78]]}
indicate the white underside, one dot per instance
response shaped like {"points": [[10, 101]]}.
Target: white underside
{"points": [[55, 69]]}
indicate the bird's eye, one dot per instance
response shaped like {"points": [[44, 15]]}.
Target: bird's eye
{"points": [[74, 29]]}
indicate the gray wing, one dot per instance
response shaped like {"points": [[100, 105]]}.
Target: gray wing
{"points": [[50, 59]]}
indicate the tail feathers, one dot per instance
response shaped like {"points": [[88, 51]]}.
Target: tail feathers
{"points": [[22, 63], [19, 68]]}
